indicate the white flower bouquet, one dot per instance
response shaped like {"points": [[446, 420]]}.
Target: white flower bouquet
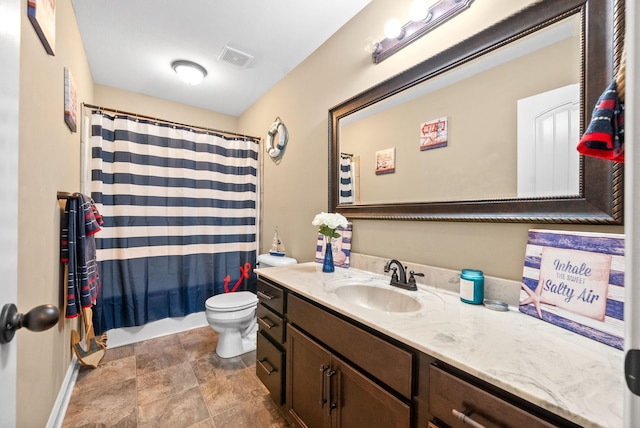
{"points": [[328, 223]]}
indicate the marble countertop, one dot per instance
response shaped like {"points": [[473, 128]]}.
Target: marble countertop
{"points": [[570, 375]]}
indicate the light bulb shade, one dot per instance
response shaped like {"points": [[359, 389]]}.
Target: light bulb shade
{"points": [[189, 72], [371, 46], [392, 29], [418, 11]]}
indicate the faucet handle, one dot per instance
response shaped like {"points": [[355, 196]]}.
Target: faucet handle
{"points": [[394, 274], [412, 279]]}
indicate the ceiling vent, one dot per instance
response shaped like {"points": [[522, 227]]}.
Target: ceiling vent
{"points": [[235, 57]]}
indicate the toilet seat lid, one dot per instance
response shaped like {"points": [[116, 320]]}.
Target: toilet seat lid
{"points": [[231, 301]]}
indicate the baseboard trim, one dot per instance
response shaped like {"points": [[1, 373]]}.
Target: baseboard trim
{"points": [[56, 418]]}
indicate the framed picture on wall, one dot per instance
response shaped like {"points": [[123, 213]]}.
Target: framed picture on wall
{"points": [[42, 14], [70, 101], [434, 134], [385, 161]]}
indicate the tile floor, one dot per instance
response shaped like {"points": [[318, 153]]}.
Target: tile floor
{"points": [[173, 381]]}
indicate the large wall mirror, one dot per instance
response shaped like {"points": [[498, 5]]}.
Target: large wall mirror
{"points": [[486, 130]]}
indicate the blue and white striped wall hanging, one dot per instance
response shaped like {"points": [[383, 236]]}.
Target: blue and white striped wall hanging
{"points": [[341, 247], [575, 280]]}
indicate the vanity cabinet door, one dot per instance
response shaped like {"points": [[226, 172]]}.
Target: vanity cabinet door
{"points": [[307, 369], [325, 391], [359, 402]]}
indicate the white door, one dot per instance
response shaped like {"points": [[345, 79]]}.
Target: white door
{"points": [[548, 133], [9, 80]]}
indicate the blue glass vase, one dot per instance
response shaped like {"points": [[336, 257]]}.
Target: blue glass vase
{"points": [[327, 264]]}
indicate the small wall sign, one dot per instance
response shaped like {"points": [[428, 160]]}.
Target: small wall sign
{"points": [[42, 14], [576, 281], [70, 101], [385, 161], [341, 246], [434, 134]]}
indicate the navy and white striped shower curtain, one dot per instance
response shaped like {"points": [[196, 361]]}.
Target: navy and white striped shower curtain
{"points": [[179, 208], [346, 195]]}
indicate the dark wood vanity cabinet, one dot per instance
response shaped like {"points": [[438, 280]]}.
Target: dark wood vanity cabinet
{"points": [[325, 370]]}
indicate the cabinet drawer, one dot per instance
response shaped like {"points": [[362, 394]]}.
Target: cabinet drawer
{"points": [[270, 368], [270, 323], [448, 392], [271, 296], [379, 358]]}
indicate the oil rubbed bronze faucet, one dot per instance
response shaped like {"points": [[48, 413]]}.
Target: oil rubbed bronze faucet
{"points": [[399, 276], [394, 275]]}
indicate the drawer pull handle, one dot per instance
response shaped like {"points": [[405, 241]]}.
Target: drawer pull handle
{"points": [[266, 323], [264, 295], [465, 419], [262, 363], [323, 399], [331, 406]]}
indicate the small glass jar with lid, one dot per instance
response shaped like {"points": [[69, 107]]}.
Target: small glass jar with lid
{"points": [[472, 286]]}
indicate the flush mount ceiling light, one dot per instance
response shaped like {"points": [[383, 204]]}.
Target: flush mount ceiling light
{"points": [[423, 19], [190, 72]]}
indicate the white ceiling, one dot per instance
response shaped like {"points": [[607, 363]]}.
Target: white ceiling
{"points": [[131, 44]]}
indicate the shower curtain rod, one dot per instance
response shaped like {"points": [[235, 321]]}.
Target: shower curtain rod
{"points": [[170, 122]]}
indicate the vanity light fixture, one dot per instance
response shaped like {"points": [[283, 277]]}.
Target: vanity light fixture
{"points": [[189, 72], [423, 19]]}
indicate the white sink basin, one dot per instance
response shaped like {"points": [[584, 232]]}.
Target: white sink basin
{"points": [[381, 299]]}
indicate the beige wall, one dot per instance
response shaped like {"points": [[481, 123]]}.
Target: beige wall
{"points": [[105, 96], [296, 188], [49, 160]]}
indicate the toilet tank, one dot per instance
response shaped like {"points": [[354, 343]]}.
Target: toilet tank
{"points": [[267, 260]]}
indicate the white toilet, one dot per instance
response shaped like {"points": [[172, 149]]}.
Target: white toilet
{"points": [[233, 315]]}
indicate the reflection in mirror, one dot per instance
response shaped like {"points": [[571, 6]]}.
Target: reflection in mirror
{"points": [[489, 118], [510, 103]]}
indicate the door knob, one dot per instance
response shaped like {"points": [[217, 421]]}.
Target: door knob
{"points": [[40, 318]]}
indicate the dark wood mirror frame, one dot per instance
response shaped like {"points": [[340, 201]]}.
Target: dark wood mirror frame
{"points": [[601, 190]]}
